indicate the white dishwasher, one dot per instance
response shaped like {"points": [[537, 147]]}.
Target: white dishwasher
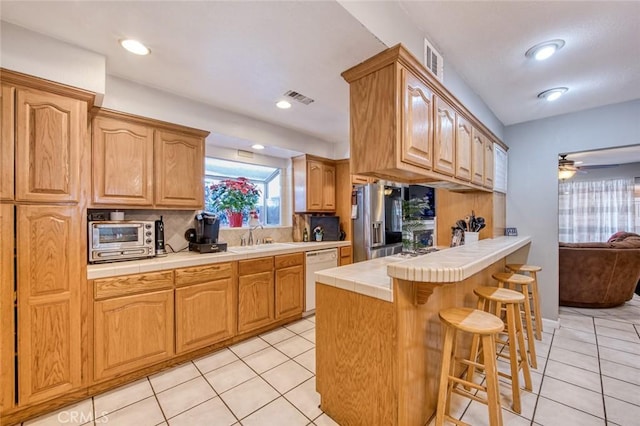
{"points": [[317, 260]]}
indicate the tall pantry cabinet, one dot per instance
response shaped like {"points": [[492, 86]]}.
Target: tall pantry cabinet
{"points": [[44, 181]]}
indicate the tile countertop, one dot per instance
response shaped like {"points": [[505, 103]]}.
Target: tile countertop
{"points": [[187, 258], [373, 277]]}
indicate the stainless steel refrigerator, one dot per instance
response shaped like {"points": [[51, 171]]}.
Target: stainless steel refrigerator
{"points": [[370, 224]]}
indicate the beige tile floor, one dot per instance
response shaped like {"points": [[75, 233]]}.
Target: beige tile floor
{"points": [[588, 374]]}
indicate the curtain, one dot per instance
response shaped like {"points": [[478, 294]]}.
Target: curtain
{"points": [[592, 211]]}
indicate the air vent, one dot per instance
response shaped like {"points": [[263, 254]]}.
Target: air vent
{"points": [[298, 97], [433, 60]]}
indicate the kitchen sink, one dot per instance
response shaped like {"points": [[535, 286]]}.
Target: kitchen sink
{"points": [[259, 247]]}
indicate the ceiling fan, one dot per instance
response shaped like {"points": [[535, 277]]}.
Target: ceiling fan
{"points": [[567, 168]]}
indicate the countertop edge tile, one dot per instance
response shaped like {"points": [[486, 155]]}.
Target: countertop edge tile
{"points": [[188, 259]]}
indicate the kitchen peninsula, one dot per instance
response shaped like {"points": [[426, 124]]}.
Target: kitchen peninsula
{"points": [[378, 334]]}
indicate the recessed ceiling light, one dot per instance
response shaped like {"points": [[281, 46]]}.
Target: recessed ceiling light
{"points": [[134, 46], [283, 105], [542, 51], [552, 94], [257, 146]]}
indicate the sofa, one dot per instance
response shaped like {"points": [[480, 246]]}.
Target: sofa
{"points": [[599, 275]]}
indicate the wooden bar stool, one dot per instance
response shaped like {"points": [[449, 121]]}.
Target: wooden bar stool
{"points": [[484, 326], [491, 299], [511, 281], [532, 270]]}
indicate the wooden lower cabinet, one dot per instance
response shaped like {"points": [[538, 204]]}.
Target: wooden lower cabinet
{"points": [[255, 301], [346, 255], [289, 285], [205, 314], [51, 283], [132, 332]]}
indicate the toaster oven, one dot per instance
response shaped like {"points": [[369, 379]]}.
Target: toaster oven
{"points": [[111, 241]]}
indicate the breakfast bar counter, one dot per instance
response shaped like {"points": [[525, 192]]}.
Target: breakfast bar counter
{"points": [[378, 335]]}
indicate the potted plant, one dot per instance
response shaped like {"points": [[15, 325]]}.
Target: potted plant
{"points": [[411, 223], [234, 197], [318, 232]]}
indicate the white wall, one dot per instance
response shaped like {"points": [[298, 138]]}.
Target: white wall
{"points": [[532, 201], [41, 56], [388, 21]]}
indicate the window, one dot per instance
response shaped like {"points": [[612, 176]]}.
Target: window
{"points": [[267, 179]]}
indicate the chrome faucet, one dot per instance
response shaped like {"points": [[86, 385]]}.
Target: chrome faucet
{"points": [[251, 229]]}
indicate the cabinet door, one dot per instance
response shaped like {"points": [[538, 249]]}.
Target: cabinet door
{"points": [[315, 178], [132, 332], [6, 142], [122, 163], [345, 255], [488, 163], [444, 141], [7, 349], [463, 148], [289, 291], [328, 187], [417, 123], [477, 157], [205, 314], [179, 161], [51, 284], [255, 301], [50, 141]]}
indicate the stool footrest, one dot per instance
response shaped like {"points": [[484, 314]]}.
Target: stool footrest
{"points": [[469, 395], [466, 383], [456, 421]]}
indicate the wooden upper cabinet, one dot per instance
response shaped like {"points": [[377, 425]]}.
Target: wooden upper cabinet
{"points": [[488, 163], [314, 181], [477, 157], [122, 162], [314, 191], [444, 142], [179, 175], [417, 126], [50, 143], [6, 142], [463, 148], [143, 162], [405, 126], [52, 288], [328, 187]]}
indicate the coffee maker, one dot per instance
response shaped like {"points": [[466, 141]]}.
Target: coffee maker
{"points": [[207, 227]]}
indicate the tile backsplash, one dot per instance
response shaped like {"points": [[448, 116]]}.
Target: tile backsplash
{"points": [[176, 222]]}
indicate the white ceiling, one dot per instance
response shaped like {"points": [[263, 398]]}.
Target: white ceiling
{"points": [[242, 56]]}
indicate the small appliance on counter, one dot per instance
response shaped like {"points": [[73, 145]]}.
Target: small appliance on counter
{"points": [[160, 250], [207, 228], [112, 241]]}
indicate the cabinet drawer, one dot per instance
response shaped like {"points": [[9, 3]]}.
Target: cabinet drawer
{"points": [[286, 260], [131, 284], [254, 266], [200, 274]]}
